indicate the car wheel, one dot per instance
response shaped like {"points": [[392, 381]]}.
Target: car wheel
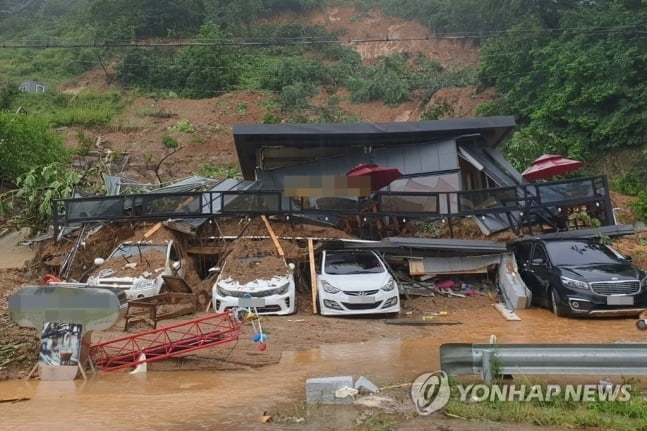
{"points": [[558, 308]]}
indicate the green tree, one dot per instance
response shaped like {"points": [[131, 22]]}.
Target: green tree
{"points": [[37, 190], [147, 18], [27, 143], [8, 95], [579, 91], [207, 71]]}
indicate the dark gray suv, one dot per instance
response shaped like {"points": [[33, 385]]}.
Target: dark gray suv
{"points": [[580, 276]]}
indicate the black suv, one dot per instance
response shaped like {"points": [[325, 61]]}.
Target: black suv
{"points": [[580, 276]]}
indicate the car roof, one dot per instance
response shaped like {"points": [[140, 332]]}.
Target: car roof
{"points": [[351, 250], [554, 239]]}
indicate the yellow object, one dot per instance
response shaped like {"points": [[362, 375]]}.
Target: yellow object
{"points": [[443, 313]]}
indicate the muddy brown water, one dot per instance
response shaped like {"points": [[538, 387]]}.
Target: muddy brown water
{"points": [[179, 400], [173, 400], [12, 253]]}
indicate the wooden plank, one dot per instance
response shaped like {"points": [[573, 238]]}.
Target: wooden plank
{"points": [[313, 275], [13, 399], [507, 314], [152, 230], [275, 240], [419, 322], [419, 291]]}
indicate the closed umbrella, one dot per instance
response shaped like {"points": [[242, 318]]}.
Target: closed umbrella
{"points": [[549, 165]]}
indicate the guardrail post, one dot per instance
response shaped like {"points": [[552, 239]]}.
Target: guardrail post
{"points": [[487, 357]]}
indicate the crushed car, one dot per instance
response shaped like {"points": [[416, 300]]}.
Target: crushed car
{"points": [[353, 282], [137, 268], [580, 277], [264, 277]]}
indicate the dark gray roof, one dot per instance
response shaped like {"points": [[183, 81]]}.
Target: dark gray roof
{"points": [[593, 232], [250, 137], [444, 244]]}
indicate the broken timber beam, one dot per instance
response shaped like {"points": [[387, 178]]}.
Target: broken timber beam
{"points": [[152, 230], [275, 240]]}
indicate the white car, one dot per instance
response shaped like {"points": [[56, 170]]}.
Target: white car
{"points": [[271, 293], [353, 282], [137, 268]]}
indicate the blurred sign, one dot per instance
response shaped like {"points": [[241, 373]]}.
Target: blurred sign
{"points": [[326, 185]]}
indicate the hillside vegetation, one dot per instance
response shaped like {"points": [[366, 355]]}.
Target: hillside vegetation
{"points": [[570, 72]]}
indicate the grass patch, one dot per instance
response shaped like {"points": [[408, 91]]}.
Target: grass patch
{"points": [[558, 411], [88, 108]]}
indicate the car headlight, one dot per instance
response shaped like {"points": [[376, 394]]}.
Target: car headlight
{"points": [[143, 284], [569, 282], [329, 288], [390, 285], [282, 290], [223, 292], [643, 282]]}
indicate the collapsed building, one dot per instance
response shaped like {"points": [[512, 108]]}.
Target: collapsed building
{"points": [[420, 175]]}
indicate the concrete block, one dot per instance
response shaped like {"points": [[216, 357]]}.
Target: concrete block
{"points": [[322, 389], [365, 386]]}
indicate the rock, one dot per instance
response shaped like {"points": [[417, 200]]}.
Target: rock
{"points": [[365, 386], [323, 389]]}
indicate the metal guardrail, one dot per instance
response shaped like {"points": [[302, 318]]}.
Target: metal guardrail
{"points": [[491, 360]]}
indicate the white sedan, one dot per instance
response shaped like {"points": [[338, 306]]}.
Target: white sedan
{"points": [[272, 293], [353, 282]]}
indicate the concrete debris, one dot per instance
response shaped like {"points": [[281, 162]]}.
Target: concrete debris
{"points": [[346, 392], [506, 313], [323, 389], [365, 386], [142, 367]]}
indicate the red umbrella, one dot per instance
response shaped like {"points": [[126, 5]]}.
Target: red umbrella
{"points": [[550, 165], [380, 176]]}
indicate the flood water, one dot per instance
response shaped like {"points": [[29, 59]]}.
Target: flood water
{"points": [[174, 400], [14, 255]]}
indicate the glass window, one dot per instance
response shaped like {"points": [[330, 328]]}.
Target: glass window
{"points": [[338, 263], [539, 253], [522, 252], [574, 253]]}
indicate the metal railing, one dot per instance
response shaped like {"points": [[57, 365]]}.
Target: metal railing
{"points": [[525, 201], [492, 360]]}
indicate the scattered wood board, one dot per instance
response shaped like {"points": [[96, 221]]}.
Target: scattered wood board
{"points": [[13, 399], [152, 230], [275, 240], [419, 291], [507, 314], [419, 322]]}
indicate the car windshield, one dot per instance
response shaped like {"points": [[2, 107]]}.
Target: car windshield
{"points": [[352, 263], [576, 253], [128, 250]]}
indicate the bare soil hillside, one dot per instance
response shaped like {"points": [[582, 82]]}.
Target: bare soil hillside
{"points": [[138, 131]]}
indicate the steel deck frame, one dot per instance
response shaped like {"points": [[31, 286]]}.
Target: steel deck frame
{"points": [[167, 342], [526, 200]]}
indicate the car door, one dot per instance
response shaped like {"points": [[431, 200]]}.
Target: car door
{"points": [[530, 271], [539, 272]]}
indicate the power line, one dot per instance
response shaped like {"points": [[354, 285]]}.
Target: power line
{"points": [[320, 41]]}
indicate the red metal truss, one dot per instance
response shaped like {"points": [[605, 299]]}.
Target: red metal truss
{"points": [[166, 342]]}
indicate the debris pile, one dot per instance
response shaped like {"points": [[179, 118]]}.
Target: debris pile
{"points": [[251, 260]]}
